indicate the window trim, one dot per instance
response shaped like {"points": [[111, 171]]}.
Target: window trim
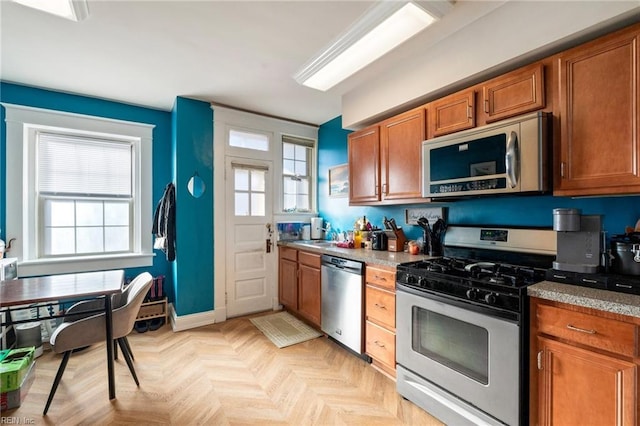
{"points": [[21, 124]]}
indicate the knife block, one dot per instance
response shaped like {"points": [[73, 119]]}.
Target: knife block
{"points": [[395, 240]]}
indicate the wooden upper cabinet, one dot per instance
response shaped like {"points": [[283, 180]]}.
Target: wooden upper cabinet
{"points": [[401, 155], [599, 101], [514, 93], [452, 113], [364, 165]]}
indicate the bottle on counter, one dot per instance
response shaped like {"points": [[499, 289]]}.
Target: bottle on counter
{"points": [[357, 238]]}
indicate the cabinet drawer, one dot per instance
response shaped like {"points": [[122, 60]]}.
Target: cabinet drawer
{"points": [[380, 306], [288, 253], [381, 344], [309, 259], [381, 277], [603, 333]]}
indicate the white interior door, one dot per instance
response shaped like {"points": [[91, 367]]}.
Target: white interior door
{"points": [[250, 282]]}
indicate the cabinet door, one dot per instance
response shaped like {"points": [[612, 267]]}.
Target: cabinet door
{"points": [[401, 155], [452, 113], [579, 387], [364, 165], [599, 114], [514, 93], [309, 300], [288, 283]]}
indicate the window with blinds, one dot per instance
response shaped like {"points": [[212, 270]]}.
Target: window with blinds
{"points": [[296, 173], [85, 195]]}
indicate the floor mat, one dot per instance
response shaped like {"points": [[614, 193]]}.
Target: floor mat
{"points": [[283, 329]]}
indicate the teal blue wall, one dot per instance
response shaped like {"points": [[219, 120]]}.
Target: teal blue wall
{"points": [[193, 152], [528, 210], [162, 174]]}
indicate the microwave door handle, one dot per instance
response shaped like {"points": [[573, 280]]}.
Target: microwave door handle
{"points": [[512, 160]]}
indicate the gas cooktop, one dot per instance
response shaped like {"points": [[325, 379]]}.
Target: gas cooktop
{"points": [[477, 273], [492, 285], [490, 266]]}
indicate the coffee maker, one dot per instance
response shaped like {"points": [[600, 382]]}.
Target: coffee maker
{"points": [[579, 241]]}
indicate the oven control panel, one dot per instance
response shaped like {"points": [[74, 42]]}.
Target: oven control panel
{"points": [[462, 289]]}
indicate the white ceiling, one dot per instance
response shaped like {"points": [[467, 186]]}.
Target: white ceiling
{"points": [[238, 53]]}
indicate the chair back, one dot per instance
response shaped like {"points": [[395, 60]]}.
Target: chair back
{"points": [[124, 317]]}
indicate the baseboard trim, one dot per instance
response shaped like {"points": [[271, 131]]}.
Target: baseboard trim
{"points": [[186, 322]]}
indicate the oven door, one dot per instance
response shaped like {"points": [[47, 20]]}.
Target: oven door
{"points": [[472, 355]]}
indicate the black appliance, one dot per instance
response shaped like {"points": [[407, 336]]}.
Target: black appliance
{"points": [[612, 282], [462, 324], [625, 252], [379, 240]]}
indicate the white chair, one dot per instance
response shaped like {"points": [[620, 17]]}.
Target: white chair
{"points": [[90, 329]]}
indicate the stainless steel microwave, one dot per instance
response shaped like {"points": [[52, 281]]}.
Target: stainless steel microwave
{"points": [[509, 156]]}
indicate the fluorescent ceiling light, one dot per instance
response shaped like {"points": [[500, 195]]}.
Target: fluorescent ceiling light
{"points": [[380, 30], [75, 10]]}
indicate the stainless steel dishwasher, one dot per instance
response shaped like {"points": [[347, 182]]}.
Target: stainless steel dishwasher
{"points": [[342, 301]]}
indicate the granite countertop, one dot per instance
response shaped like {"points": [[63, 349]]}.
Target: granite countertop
{"points": [[386, 258], [604, 300]]}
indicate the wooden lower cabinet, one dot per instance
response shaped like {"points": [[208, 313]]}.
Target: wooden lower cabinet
{"points": [[309, 286], [288, 278], [380, 317], [581, 387], [584, 366], [299, 286]]}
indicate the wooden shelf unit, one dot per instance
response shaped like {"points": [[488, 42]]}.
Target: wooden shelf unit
{"points": [[153, 309]]}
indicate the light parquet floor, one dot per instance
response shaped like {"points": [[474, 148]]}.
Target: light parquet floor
{"points": [[222, 374]]}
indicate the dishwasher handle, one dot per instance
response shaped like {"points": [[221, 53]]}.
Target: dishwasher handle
{"points": [[346, 265]]}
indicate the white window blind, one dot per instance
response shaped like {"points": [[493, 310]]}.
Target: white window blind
{"points": [[70, 165]]}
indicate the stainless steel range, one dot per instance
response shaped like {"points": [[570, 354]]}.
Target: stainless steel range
{"points": [[462, 324]]}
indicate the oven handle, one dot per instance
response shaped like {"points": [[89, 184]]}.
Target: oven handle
{"points": [[512, 160]]}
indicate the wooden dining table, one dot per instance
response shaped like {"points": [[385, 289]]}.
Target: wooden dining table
{"points": [[85, 285]]}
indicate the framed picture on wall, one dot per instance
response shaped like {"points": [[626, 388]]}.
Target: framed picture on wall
{"points": [[339, 181]]}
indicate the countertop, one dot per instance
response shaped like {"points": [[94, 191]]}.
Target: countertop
{"points": [[604, 300], [386, 258]]}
